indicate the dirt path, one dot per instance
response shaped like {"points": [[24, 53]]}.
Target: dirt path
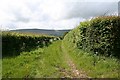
{"points": [[74, 72]]}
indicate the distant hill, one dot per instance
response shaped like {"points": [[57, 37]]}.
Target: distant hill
{"points": [[43, 31]]}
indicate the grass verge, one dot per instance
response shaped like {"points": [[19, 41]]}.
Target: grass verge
{"points": [[40, 63], [94, 66]]}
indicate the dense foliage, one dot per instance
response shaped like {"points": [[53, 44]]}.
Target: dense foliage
{"points": [[100, 36], [13, 43]]}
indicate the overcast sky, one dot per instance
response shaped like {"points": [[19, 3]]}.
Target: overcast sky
{"points": [[51, 14]]}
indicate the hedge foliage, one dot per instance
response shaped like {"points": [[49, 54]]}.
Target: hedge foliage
{"points": [[100, 35], [13, 43]]}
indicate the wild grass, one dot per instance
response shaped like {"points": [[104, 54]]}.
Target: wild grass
{"points": [[95, 66], [42, 62], [53, 62], [0, 68], [21, 66]]}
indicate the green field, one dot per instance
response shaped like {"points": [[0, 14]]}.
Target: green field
{"points": [[44, 62], [78, 55], [51, 62]]}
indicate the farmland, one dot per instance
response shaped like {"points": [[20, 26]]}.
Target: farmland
{"points": [[88, 51]]}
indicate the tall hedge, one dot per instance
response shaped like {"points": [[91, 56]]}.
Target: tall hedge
{"points": [[14, 43], [100, 35]]}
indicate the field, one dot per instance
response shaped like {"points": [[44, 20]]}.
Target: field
{"points": [[35, 64], [41, 56]]}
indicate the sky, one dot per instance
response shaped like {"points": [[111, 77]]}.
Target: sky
{"points": [[52, 14]]}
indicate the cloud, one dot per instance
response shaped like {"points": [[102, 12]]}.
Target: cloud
{"points": [[90, 9], [59, 24], [52, 14]]}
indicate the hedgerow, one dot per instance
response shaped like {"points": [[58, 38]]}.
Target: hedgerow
{"points": [[13, 43], [100, 35]]}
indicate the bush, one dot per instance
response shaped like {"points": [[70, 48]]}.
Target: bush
{"points": [[100, 36], [14, 43]]}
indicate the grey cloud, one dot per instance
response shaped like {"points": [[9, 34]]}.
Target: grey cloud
{"points": [[19, 16], [119, 8], [33, 6], [90, 9], [71, 10], [21, 19], [36, 13]]}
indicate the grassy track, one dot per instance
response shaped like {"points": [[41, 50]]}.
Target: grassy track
{"points": [[74, 72], [42, 62], [57, 61], [93, 65], [53, 62]]}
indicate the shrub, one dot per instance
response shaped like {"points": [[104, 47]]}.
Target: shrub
{"points": [[100, 36], [14, 43]]}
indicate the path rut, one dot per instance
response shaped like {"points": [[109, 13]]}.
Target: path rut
{"points": [[74, 72]]}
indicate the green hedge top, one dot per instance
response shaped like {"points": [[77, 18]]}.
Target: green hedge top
{"points": [[100, 35], [13, 43]]}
